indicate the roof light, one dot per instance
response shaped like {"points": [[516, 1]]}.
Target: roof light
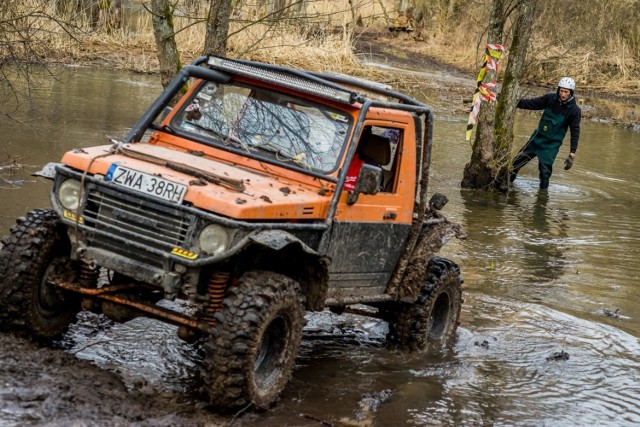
{"points": [[283, 79]]}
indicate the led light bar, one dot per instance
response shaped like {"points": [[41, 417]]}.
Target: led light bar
{"points": [[283, 79]]}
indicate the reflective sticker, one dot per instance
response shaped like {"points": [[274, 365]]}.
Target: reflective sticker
{"points": [[184, 253], [72, 216]]}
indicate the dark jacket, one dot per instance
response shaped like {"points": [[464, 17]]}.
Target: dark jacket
{"points": [[553, 106]]}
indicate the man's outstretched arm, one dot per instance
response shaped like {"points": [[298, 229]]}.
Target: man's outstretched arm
{"points": [[538, 103]]}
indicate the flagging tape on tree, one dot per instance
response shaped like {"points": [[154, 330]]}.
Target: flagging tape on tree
{"points": [[488, 73]]}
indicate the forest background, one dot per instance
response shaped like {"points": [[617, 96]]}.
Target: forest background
{"points": [[597, 42]]}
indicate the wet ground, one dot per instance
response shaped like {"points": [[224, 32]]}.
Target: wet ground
{"points": [[44, 386], [548, 335]]}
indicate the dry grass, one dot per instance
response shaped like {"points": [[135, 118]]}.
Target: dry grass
{"points": [[599, 47], [595, 42], [133, 47]]}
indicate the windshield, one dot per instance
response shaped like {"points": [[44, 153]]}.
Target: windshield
{"points": [[267, 123]]}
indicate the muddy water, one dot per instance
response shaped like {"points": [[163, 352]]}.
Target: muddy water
{"points": [[540, 270]]}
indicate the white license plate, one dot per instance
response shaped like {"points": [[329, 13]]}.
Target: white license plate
{"points": [[146, 183]]}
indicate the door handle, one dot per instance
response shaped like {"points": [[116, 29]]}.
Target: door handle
{"points": [[390, 215]]}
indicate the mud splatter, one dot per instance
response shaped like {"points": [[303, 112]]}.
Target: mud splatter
{"points": [[558, 355], [285, 190], [612, 313]]}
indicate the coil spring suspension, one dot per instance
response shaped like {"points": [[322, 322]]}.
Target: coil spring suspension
{"points": [[88, 275], [216, 288], [88, 278]]}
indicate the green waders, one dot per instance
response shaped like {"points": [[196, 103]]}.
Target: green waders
{"points": [[544, 143]]}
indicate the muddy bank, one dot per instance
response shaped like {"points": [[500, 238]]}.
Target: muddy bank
{"points": [[48, 386]]}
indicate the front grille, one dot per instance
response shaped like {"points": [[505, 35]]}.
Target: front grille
{"points": [[141, 221]]}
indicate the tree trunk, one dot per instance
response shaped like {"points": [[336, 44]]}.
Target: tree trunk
{"points": [[479, 172], [163, 31], [490, 159], [215, 41], [505, 110]]}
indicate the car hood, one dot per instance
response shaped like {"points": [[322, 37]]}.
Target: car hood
{"points": [[230, 190]]}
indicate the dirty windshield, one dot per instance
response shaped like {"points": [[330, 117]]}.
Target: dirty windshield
{"points": [[266, 124]]}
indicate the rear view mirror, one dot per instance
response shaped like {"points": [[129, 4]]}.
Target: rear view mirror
{"points": [[368, 182]]}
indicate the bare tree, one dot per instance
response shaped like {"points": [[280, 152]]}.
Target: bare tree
{"points": [[164, 33], [505, 109], [479, 172], [215, 40], [490, 157]]}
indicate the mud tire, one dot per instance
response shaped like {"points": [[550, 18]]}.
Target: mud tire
{"points": [[435, 315], [251, 354], [36, 247]]}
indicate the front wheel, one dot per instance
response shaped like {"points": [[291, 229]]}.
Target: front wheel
{"points": [[251, 353], [34, 253], [435, 314]]}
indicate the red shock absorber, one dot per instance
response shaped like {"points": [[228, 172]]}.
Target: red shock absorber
{"points": [[216, 289]]}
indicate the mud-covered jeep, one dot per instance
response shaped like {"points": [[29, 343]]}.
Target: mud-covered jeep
{"points": [[263, 193]]}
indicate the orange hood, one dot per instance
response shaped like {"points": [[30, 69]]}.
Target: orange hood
{"points": [[242, 192]]}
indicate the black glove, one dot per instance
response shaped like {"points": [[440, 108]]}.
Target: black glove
{"points": [[568, 163]]}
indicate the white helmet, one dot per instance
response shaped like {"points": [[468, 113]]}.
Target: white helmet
{"points": [[567, 83]]}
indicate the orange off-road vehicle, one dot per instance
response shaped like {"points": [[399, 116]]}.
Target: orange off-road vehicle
{"points": [[263, 193]]}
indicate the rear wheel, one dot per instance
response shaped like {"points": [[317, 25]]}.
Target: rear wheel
{"points": [[434, 316], [251, 354], [36, 252]]}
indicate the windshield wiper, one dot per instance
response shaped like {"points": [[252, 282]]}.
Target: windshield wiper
{"points": [[237, 142], [281, 154]]}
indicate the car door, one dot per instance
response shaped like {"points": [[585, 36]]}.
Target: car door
{"points": [[368, 237]]}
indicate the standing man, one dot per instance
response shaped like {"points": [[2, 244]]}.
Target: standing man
{"points": [[560, 113]]}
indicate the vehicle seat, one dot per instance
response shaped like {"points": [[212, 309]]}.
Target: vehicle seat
{"points": [[375, 149]]}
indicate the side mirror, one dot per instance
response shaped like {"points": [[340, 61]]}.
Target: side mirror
{"points": [[368, 182]]}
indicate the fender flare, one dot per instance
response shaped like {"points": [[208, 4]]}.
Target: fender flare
{"points": [[282, 252]]}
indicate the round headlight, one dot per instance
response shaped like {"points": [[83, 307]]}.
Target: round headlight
{"points": [[213, 239], [69, 194]]}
